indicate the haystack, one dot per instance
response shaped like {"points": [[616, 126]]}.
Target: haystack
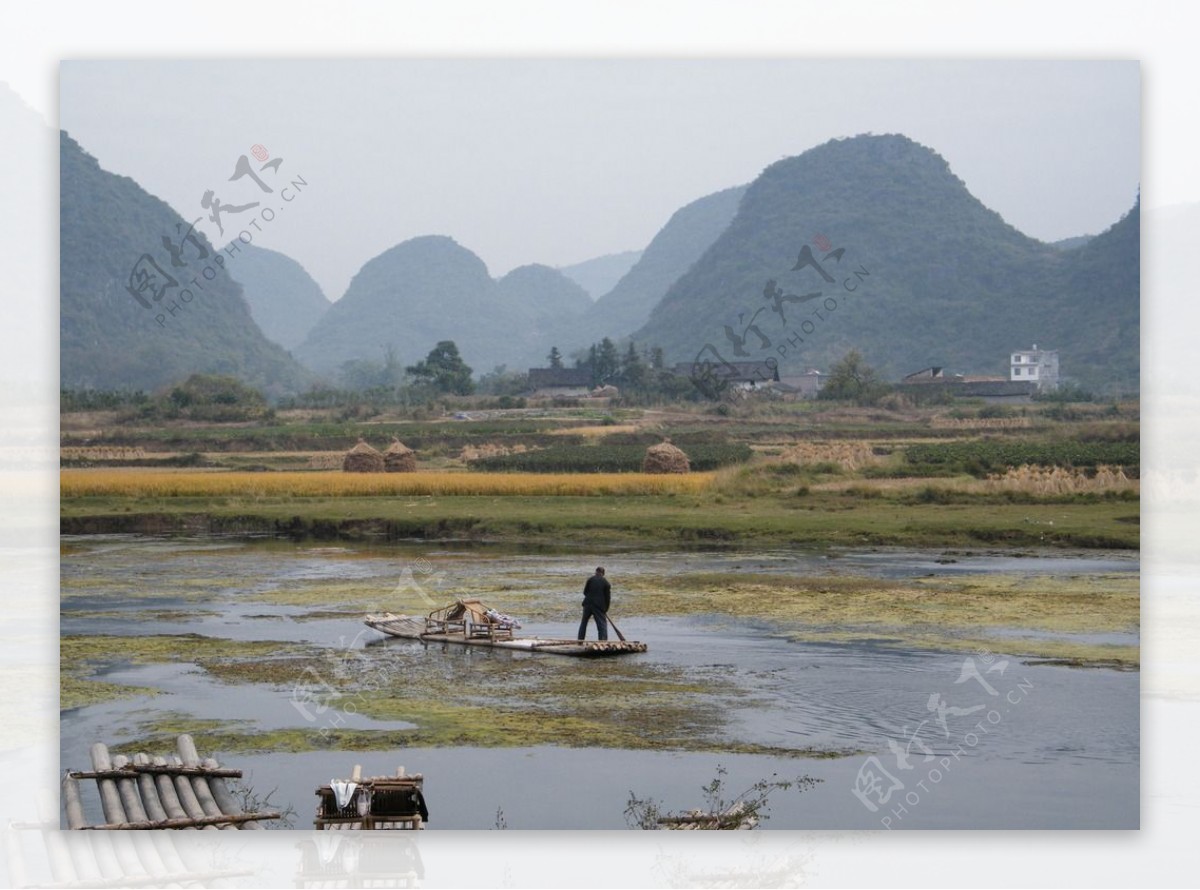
{"points": [[665, 458], [399, 458], [362, 458]]}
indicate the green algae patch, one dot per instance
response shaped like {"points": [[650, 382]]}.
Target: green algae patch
{"points": [[280, 670], [1061, 651], [492, 699], [153, 648], [83, 657], [443, 726], [75, 691], [1035, 615]]}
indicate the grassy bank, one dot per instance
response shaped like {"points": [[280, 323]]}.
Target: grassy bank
{"points": [[851, 518]]}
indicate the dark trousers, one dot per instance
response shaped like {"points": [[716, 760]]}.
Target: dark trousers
{"points": [[590, 611]]}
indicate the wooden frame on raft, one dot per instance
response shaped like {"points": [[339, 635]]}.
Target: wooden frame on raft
{"points": [[379, 803]]}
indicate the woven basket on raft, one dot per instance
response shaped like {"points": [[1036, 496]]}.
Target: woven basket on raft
{"points": [[362, 458], [665, 458], [399, 458]]}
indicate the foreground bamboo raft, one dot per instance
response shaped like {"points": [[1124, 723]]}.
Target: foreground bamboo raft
{"points": [[468, 623], [377, 803], [182, 791]]}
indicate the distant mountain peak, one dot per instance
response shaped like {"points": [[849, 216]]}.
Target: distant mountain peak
{"points": [[600, 274], [108, 339], [284, 299], [950, 282]]}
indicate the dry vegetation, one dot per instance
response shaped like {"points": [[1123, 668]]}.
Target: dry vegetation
{"points": [[596, 432], [980, 423], [1061, 480], [133, 483], [101, 452], [490, 449], [850, 456]]}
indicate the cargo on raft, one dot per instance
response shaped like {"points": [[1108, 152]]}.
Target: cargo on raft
{"points": [[471, 623]]}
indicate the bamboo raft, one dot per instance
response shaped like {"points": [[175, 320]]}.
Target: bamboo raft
{"points": [[376, 803], [144, 793], [466, 623]]}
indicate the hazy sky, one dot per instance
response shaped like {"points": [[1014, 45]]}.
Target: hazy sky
{"points": [[559, 161]]}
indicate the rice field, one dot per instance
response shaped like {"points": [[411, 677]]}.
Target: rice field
{"points": [[187, 484]]}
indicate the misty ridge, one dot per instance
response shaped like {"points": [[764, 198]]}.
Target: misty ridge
{"points": [[949, 283]]}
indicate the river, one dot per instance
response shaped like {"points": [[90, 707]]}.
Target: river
{"points": [[938, 739]]}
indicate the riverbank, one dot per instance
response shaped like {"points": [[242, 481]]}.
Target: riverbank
{"points": [[859, 517]]}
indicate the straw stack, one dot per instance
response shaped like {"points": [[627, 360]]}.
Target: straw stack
{"points": [[399, 458], [362, 458], [665, 458]]}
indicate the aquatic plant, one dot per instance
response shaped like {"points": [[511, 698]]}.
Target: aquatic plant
{"points": [[720, 813]]}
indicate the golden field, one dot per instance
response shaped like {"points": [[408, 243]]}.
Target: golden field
{"points": [[188, 483]]}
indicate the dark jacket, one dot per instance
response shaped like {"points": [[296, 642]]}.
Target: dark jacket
{"points": [[597, 592]]}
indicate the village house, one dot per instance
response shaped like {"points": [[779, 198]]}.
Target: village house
{"points": [[803, 386], [1038, 366], [560, 382], [993, 389], [738, 375]]}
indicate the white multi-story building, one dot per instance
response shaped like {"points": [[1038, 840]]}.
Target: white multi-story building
{"points": [[1039, 366]]}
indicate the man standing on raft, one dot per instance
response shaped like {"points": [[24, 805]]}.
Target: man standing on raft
{"points": [[597, 594]]}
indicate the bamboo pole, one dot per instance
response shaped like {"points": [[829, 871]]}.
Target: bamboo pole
{"points": [[205, 796], [189, 822], [187, 799], [154, 769], [166, 792], [110, 799], [130, 864], [186, 746], [73, 803], [148, 790], [191, 758], [131, 800]]}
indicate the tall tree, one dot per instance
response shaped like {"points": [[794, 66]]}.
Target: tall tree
{"points": [[393, 370], [555, 357], [608, 361], [633, 368], [852, 379], [445, 369]]}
